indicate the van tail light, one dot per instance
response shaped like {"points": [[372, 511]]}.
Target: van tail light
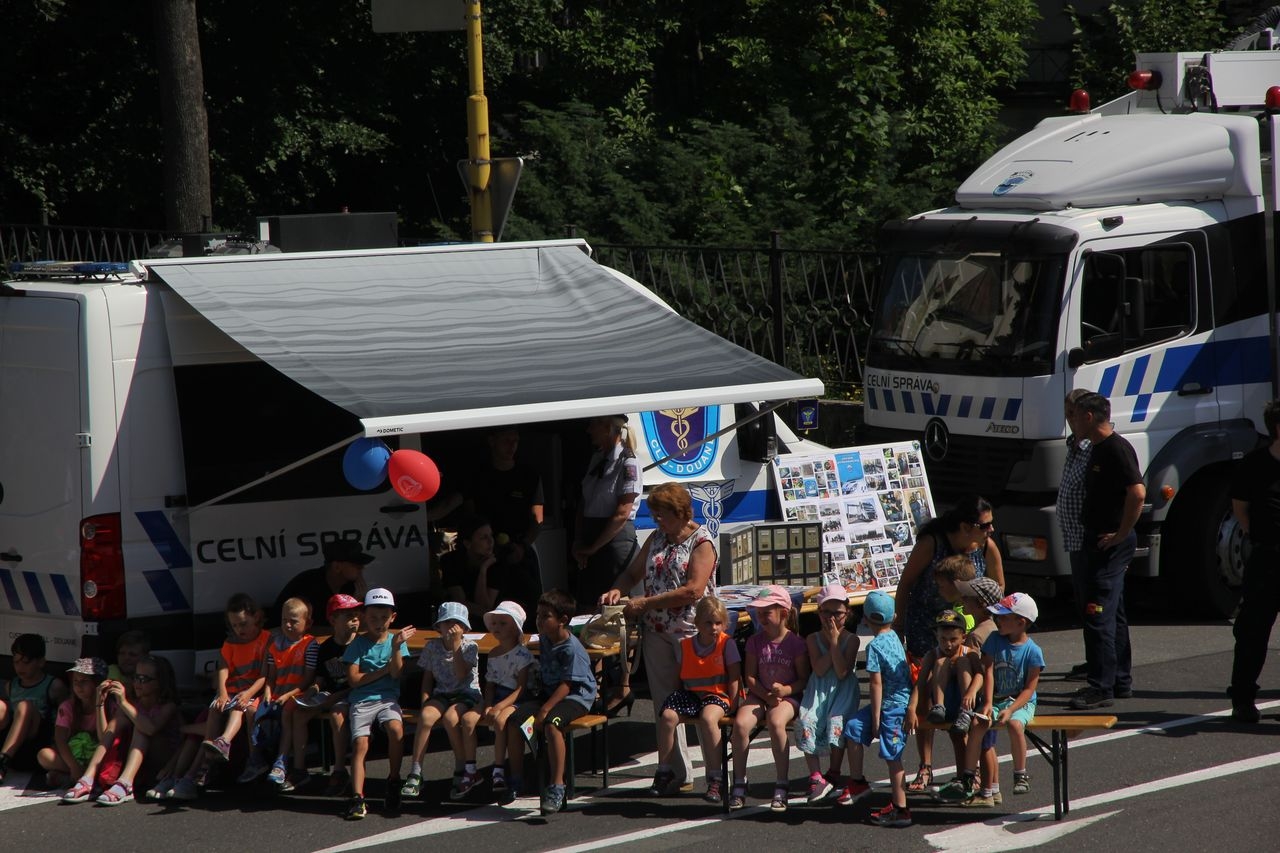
{"points": [[101, 568]]}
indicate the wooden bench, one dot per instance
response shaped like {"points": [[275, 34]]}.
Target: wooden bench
{"points": [[1061, 728]]}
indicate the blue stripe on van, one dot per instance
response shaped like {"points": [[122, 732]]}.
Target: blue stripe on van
{"points": [[1137, 374], [965, 403], [165, 538], [908, 403], [988, 406], [1140, 408], [1011, 409], [166, 590], [10, 590], [37, 594], [70, 606], [1109, 380]]}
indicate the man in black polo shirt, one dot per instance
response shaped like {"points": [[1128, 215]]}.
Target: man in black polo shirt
{"points": [[1255, 502], [1113, 497]]}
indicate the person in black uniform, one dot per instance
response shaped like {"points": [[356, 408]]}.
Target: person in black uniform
{"points": [[605, 540], [1113, 496], [343, 571], [1255, 503]]}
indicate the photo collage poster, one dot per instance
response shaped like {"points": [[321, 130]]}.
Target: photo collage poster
{"points": [[870, 501]]}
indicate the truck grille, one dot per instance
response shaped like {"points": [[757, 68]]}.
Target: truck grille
{"points": [[973, 463]]}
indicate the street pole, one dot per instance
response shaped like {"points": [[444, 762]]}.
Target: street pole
{"points": [[478, 131]]}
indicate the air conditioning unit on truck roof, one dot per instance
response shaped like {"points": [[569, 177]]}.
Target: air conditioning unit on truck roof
{"points": [[1127, 251], [140, 402]]}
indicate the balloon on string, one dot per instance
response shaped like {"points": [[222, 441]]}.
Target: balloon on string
{"points": [[413, 475], [365, 463]]}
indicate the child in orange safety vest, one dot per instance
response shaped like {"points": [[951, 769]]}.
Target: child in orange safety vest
{"points": [[710, 677], [292, 654]]}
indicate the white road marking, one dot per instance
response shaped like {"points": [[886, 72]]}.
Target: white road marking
{"points": [[13, 794], [993, 836]]}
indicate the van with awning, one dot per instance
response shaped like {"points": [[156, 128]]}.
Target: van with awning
{"points": [[173, 430]]}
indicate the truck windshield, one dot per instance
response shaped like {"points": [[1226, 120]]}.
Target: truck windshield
{"points": [[981, 312]]}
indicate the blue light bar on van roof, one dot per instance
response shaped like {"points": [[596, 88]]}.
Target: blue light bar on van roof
{"points": [[67, 269]]}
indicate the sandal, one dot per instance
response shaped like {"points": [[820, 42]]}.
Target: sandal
{"points": [[116, 794], [738, 797], [779, 802], [924, 778], [79, 792]]}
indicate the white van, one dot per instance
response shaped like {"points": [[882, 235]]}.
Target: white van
{"points": [[171, 432]]}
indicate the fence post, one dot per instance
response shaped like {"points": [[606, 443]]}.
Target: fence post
{"points": [[776, 302]]}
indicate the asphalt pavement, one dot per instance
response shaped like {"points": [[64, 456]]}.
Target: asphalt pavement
{"points": [[1175, 774]]}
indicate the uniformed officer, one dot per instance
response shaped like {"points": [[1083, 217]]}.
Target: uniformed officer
{"points": [[605, 542]]}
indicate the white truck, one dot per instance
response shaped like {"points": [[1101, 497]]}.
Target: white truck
{"points": [[138, 401], [1128, 250]]}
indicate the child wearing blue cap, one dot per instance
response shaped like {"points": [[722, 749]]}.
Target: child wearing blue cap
{"points": [[889, 678], [451, 696]]}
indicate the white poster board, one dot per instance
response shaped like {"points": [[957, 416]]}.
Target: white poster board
{"points": [[870, 500]]}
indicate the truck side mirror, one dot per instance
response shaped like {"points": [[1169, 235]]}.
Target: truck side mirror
{"points": [[1075, 357]]}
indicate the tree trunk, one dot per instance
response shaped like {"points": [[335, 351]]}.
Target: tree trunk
{"points": [[188, 200]]}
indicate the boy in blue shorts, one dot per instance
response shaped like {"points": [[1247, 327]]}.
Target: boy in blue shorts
{"points": [[890, 688], [1011, 666], [569, 689]]}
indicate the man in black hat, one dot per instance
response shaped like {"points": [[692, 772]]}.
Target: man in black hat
{"points": [[343, 571]]}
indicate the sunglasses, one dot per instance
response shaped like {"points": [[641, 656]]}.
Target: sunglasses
{"points": [[984, 525], [139, 678]]}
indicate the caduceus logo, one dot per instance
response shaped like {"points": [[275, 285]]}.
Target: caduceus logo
{"points": [[679, 437], [406, 485]]}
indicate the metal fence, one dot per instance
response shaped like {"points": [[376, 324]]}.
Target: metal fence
{"points": [[808, 310]]}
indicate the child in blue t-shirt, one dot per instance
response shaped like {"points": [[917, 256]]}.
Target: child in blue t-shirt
{"points": [[569, 688], [1011, 666], [889, 678]]}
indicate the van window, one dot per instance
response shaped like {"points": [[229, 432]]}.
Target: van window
{"points": [[243, 420], [1133, 298]]}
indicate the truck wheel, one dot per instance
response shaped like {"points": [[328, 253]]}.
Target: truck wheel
{"points": [[1204, 551]]}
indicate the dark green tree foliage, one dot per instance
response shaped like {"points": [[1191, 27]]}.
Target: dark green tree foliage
{"points": [[1105, 42], [645, 120]]}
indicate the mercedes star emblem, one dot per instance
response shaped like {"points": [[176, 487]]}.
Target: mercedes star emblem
{"points": [[936, 439]]}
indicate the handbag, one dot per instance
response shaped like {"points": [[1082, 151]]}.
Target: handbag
{"points": [[606, 629]]}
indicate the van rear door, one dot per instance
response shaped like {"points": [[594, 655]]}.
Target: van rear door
{"points": [[42, 436]]}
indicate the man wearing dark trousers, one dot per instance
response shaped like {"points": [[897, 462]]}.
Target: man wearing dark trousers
{"points": [[1255, 503], [1113, 496]]}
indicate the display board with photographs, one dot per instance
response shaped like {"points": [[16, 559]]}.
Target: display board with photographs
{"points": [[870, 502]]}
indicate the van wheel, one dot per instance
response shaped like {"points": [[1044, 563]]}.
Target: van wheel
{"points": [[1204, 552]]}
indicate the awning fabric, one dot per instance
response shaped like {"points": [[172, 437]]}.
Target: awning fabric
{"points": [[417, 340]]}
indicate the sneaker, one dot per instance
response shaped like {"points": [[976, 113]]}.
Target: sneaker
{"points": [[1091, 698], [996, 799], [819, 788], [964, 719], [498, 782], [715, 791], [356, 809], [465, 785], [255, 768], [184, 789], [958, 790], [1246, 713], [1021, 783], [295, 779], [979, 801], [891, 815], [552, 800], [686, 787], [218, 749], [779, 801], [161, 789], [738, 798], [508, 796], [278, 773], [392, 801], [938, 714], [854, 791], [412, 786], [661, 782]]}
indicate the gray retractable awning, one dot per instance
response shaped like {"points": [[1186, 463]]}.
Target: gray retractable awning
{"points": [[416, 340]]}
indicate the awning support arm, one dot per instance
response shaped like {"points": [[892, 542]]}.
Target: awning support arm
{"points": [[271, 475]]}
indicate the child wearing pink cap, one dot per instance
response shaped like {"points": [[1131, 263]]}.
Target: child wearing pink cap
{"points": [[831, 694], [777, 668]]}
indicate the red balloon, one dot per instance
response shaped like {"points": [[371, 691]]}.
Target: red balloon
{"points": [[413, 475]]}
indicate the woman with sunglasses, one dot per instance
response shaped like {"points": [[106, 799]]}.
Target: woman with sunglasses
{"points": [[965, 529]]}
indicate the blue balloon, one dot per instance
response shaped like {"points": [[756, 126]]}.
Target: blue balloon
{"points": [[365, 463]]}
